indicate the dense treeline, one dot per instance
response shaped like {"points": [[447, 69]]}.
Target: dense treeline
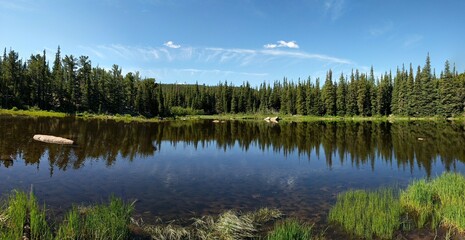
{"points": [[74, 85]]}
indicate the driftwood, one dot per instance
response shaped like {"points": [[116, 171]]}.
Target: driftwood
{"points": [[272, 119], [52, 139]]}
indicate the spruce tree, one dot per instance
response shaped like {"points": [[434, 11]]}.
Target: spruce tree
{"points": [[341, 95]]}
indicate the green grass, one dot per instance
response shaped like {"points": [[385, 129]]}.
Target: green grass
{"points": [[440, 201], [368, 214], [105, 221], [108, 221], [71, 228], [32, 113], [292, 229]]}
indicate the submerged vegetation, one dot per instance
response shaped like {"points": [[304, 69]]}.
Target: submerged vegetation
{"points": [[382, 213]]}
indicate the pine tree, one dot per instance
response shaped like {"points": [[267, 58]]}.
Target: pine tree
{"points": [[429, 91], [300, 99], [341, 95], [329, 95], [351, 101]]}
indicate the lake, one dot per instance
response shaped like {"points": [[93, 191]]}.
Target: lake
{"points": [[183, 169]]}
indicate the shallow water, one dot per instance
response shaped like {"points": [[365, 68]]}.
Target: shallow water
{"points": [[191, 168]]}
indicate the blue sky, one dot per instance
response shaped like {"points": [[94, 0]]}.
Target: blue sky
{"points": [[209, 41]]}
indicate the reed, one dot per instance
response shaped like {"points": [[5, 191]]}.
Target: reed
{"points": [[368, 214], [439, 201], [108, 221], [38, 223], [16, 214], [292, 229], [71, 227]]}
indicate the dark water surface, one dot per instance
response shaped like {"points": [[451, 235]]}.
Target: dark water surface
{"points": [[191, 168]]}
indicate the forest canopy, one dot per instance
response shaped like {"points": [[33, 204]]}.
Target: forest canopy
{"points": [[73, 85]]}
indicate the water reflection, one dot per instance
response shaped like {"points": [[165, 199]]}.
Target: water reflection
{"points": [[189, 168], [404, 144]]}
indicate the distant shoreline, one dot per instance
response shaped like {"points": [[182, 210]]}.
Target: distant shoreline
{"points": [[256, 117]]}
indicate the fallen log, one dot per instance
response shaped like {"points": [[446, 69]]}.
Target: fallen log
{"points": [[52, 139]]}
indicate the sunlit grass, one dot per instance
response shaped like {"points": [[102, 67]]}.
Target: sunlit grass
{"points": [[440, 201], [368, 214], [32, 112], [292, 229]]}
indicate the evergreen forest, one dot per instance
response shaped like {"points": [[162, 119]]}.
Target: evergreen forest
{"points": [[73, 85]]}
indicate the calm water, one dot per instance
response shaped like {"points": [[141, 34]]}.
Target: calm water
{"points": [[185, 169]]}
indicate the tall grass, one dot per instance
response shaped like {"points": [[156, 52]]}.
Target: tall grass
{"points": [[292, 229], [108, 221], [440, 201], [71, 228], [16, 214], [368, 214], [38, 223]]}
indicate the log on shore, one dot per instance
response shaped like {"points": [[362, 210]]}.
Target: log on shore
{"points": [[52, 139]]}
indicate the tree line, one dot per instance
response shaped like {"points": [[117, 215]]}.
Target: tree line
{"points": [[73, 85]]}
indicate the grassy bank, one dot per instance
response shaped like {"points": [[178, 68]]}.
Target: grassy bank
{"points": [[42, 113], [254, 117], [23, 218]]}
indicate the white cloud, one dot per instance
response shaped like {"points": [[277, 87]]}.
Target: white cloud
{"points": [[291, 44], [412, 40], [170, 44], [381, 30], [281, 43], [270, 46], [334, 8], [217, 56]]}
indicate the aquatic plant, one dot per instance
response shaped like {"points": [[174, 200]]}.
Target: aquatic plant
{"points": [[38, 223], [419, 200], [368, 213], [439, 201], [292, 229], [108, 221], [71, 227]]}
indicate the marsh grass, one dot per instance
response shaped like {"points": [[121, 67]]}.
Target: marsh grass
{"points": [[227, 226], [105, 221], [292, 229], [71, 227], [440, 201], [37, 218], [368, 214], [16, 214], [108, 221]]}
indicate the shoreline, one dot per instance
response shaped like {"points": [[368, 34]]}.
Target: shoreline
{"points": [[225, 117]]}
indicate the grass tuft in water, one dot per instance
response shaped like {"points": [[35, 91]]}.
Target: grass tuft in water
{"points": [[233, 226], [440, 201], [38, 223], [419, 200], [368, 214], [292, 229], [71, 227], [108, 221], [16, 214]]}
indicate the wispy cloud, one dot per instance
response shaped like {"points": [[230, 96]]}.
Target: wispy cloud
{"points": [[21, 5], [281, 43], [381, 30], [237, 56], [334, 8], [412, 40], [170, 44]]}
